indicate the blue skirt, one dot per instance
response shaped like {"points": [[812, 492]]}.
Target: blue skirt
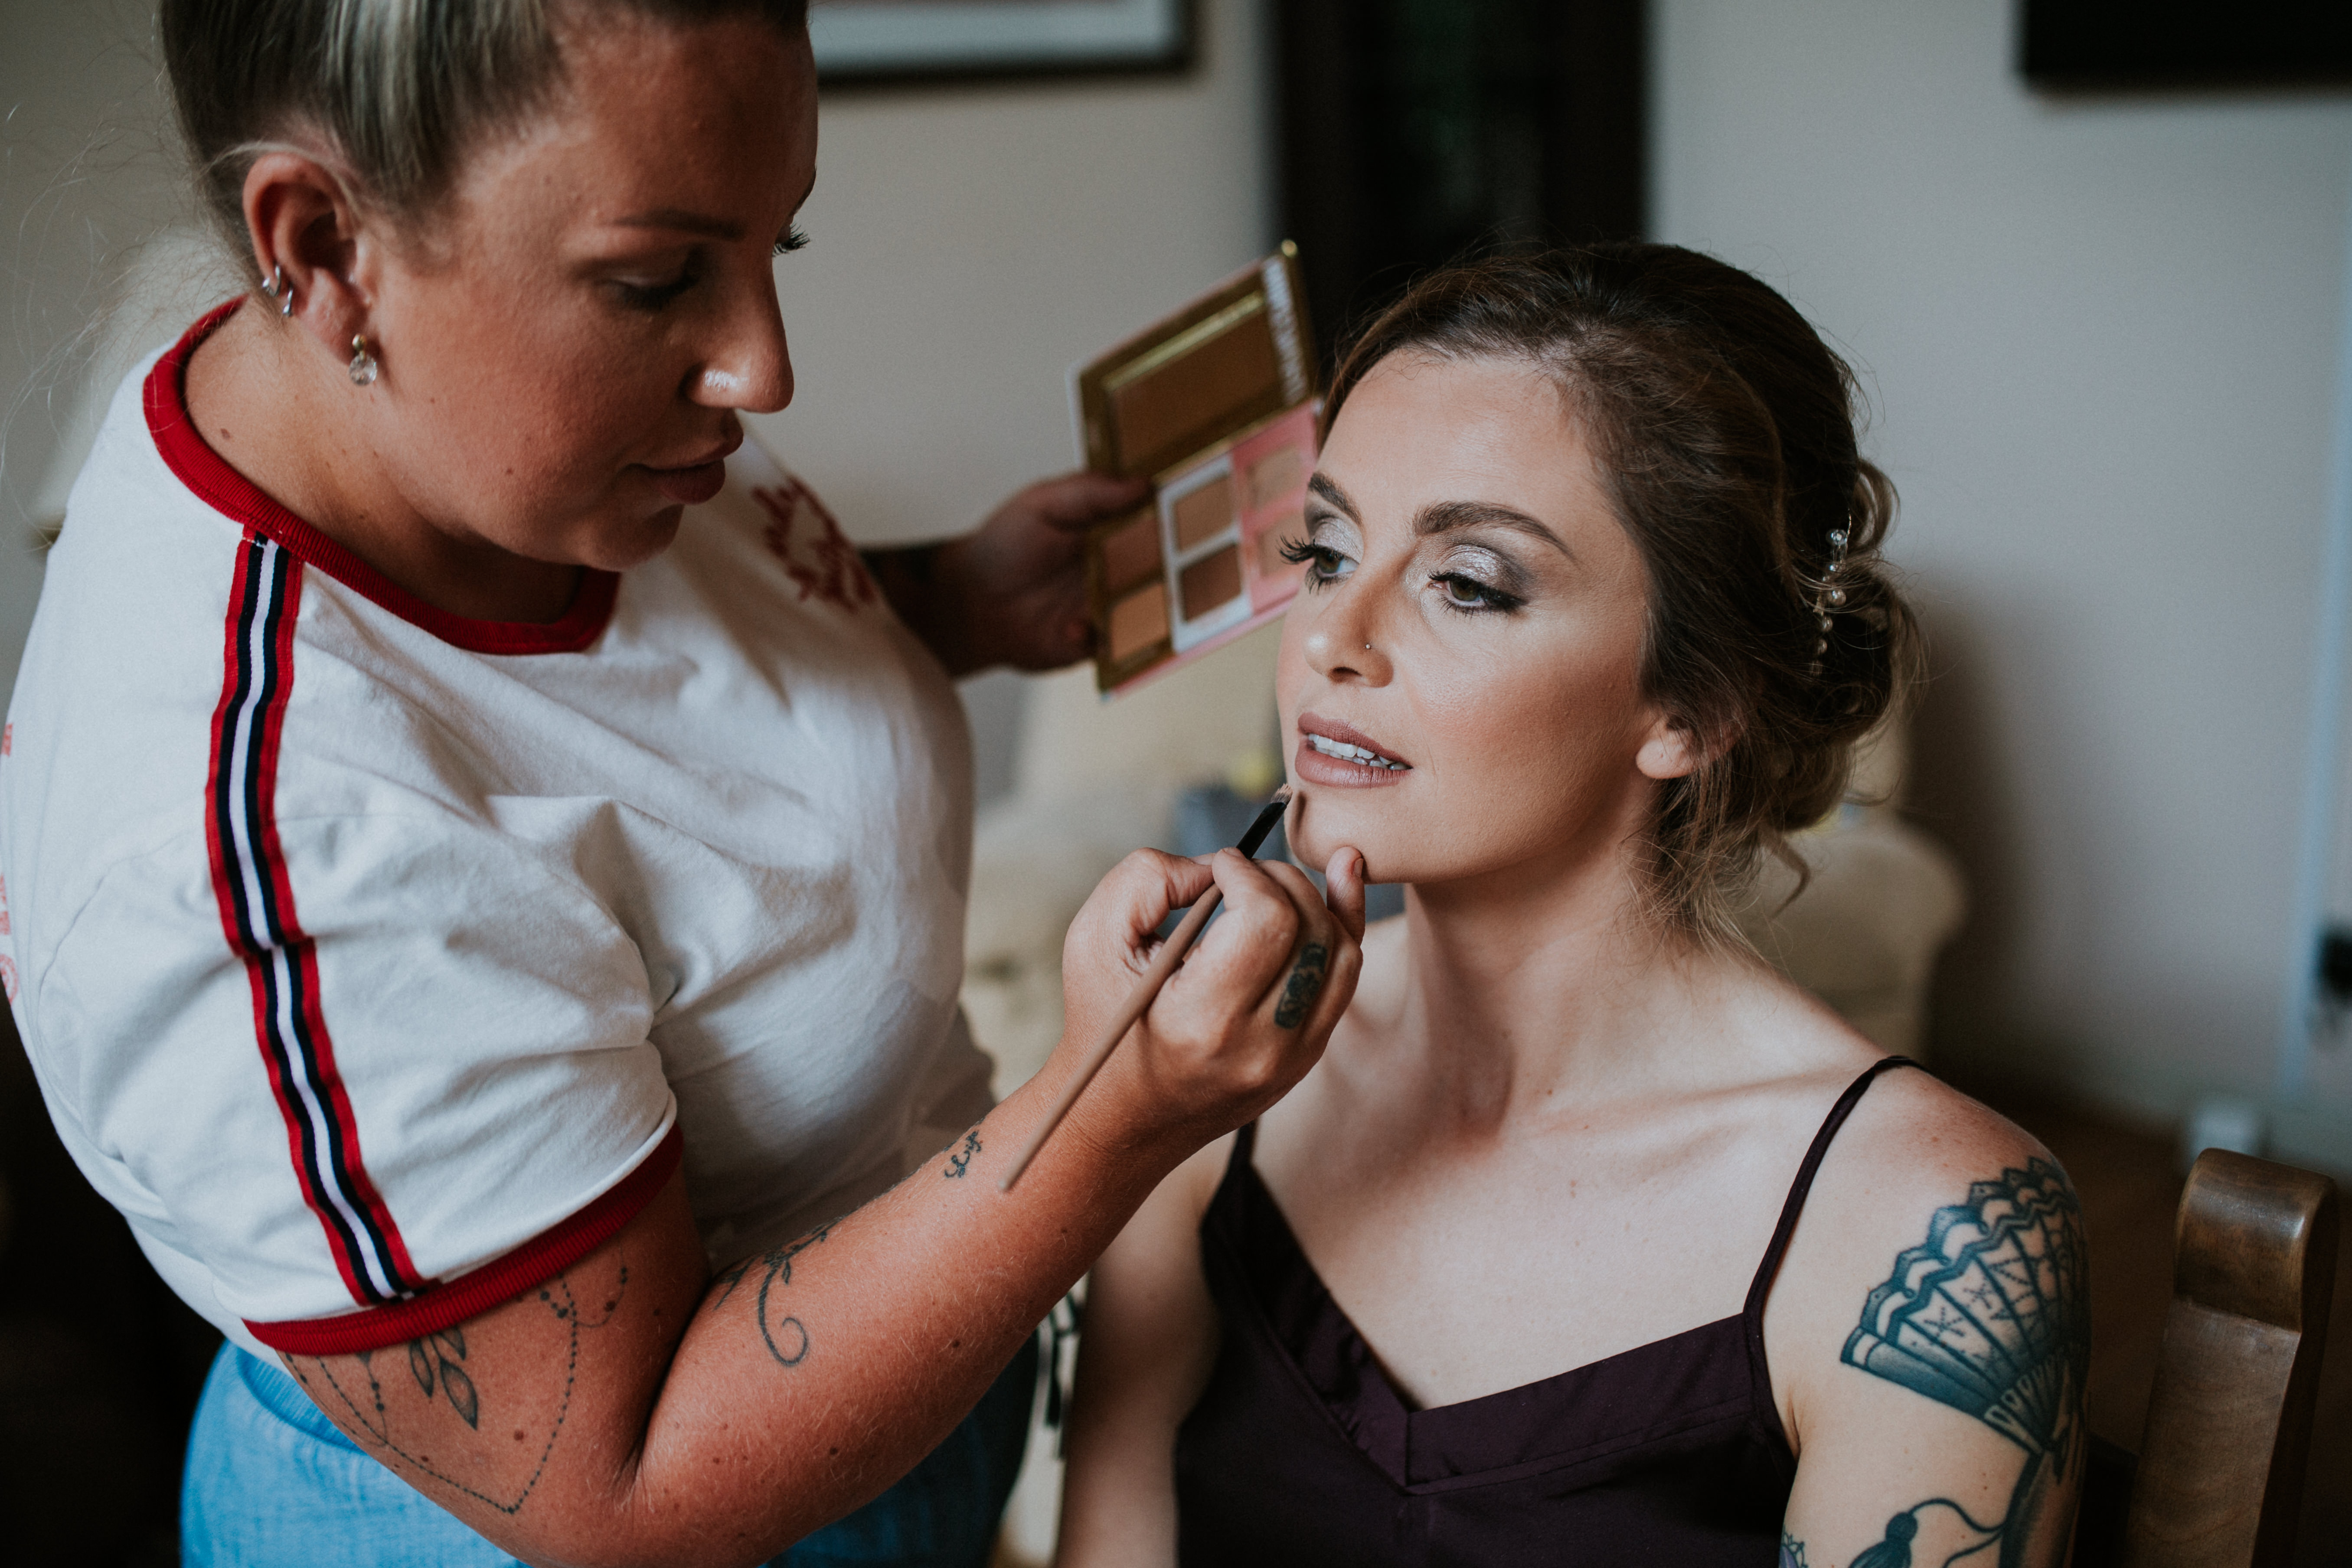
{"points": [[272, 1483]]}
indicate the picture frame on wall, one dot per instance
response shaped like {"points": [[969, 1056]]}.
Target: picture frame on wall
{"points": [[910, 41]]}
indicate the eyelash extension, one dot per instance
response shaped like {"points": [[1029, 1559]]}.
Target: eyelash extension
{"points": [[1314, 557], [793, 240], [1493, 601]]}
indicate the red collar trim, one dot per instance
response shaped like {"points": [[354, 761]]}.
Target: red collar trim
{"points": [[208, 474]]}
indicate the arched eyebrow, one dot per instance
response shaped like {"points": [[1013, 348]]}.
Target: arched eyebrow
{"points": [[1324, 485], [1442, 517]]}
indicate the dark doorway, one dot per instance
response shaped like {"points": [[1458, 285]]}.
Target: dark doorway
{"points": [[1414, 129]]}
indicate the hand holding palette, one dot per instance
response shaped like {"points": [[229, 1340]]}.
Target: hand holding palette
{"points": [[1216, 406]]}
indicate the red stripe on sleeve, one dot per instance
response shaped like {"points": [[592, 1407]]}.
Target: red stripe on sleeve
{"points": [[495, 1283]]}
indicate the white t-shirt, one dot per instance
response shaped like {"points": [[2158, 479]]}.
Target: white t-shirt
{"points": [[373, 960]]}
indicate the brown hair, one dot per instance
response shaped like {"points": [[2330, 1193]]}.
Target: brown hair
{"points": [[1723, 429], [401, 90]]}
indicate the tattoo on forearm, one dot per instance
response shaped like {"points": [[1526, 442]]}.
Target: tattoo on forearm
{"points": [[787, 1338], [960, 1161], [436, 1364], [1305, 983], [1991, 1316]]}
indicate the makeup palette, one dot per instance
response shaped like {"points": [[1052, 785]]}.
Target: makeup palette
{"points": [[1216, 406]]}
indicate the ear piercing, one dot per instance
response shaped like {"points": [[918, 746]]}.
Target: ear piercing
{"points": [[363, 366], [277, 289]]}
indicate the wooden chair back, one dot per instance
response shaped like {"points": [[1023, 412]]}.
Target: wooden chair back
{"points": [[2220, 1475]]}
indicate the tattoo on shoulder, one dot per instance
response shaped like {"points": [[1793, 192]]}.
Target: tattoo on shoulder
{"points": [[1990, 1315], [787, 1338], [439, 1364], [1792, 1551], [961, 1161]]}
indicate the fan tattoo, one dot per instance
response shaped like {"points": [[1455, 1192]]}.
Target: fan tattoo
{"points": [[1989, 1316]]}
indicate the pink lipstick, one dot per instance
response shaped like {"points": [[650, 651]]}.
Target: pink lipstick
{"points": [[1331, 752]]}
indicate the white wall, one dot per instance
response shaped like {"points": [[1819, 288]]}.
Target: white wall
{"points": [[86, 174], [2101, 333], [969, 244]]}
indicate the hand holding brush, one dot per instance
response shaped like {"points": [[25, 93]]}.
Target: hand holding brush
{"points": [[1317, 965]]}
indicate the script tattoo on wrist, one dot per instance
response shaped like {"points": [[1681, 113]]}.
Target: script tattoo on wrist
{"points": [[961, 1161], [786, 1337], [1989, 1315], [1305, 983], [438, 1364]]}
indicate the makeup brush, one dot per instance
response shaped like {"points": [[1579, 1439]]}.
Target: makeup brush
{"points": [[1163, 964]]}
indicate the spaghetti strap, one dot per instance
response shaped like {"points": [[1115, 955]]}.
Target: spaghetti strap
{"points": [[1760, 1369], [1770, 1268], [1244, 1140]]}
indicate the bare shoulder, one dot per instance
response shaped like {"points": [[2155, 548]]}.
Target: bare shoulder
{"points": [[1912, 1134], [1932, 1221]]}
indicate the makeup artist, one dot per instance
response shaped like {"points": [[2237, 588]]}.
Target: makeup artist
{"points": [[487, 857]]}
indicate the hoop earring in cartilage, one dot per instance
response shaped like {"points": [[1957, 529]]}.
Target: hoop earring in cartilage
{"points": [[277, 289]]}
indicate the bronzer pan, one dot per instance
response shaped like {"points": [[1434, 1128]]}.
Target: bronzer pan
{"points": [[1216, 406]]}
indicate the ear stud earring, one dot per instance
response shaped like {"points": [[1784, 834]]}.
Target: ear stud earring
{"points": [[363, 366]]}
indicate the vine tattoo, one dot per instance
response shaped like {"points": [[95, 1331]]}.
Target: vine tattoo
{"points": [[961, 1161], [1305, 983], [787, 1338], [435, 1360], [1989, 1315]]}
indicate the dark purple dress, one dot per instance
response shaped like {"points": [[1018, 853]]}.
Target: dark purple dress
{"points": [[1301, 1452]]}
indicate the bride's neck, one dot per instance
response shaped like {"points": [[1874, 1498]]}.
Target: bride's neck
{"points": [[1526, 992]]}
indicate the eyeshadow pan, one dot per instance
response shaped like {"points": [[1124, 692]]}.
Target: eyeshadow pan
{"points": [[1202, 513], [1139, 621], [1210, 583], [1179, 405], [1131, 554], [1274, 476]]}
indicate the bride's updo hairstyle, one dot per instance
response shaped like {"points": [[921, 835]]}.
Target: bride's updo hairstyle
{"points": [[1723, 430], [399, 90]]}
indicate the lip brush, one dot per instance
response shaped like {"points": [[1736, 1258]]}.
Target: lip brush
{"points": [[1163, 964]]}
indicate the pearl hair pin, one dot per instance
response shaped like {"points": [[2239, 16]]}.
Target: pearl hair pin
{"points": [[1829, 597]]}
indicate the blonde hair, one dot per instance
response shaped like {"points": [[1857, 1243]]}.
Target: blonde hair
{"points": [[401, 90]]}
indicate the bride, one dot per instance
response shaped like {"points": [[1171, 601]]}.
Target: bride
{"points": [[1590, 1238]]}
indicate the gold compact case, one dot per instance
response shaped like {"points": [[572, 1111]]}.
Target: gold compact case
{"points": [[1216, 405]]}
